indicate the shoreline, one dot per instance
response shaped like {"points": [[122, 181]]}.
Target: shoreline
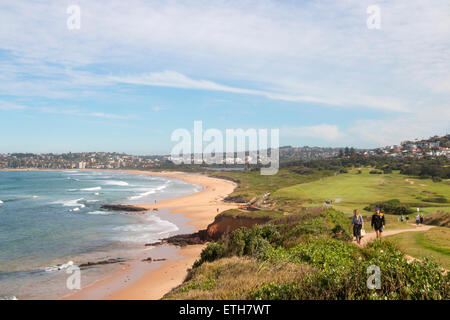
{"points": [[139, 280]]}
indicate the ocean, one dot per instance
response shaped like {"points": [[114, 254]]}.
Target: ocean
{"points": [[48, 218]]}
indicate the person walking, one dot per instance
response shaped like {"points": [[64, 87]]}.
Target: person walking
{"points": [[402, 218], [357, 222], [421, 219], [378, 222], [407, 219], [417, 219]]}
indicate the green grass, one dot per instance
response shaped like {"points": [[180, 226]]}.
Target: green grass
{"points": [[260, 214], [355, 191], [434, 243], [252, 184]]}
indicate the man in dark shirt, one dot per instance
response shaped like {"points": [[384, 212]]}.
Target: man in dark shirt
{"points": [[378, 222]]}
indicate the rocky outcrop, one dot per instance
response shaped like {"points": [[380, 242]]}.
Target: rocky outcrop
{"points": [[188, 239], [122, 207], [222, 225], [149, 259], [101, 262], [227, 224]]}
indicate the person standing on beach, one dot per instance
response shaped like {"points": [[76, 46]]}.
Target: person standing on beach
{"points": [[378, 222], [357, 222]]}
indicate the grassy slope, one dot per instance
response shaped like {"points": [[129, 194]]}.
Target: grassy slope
{"points": [[358, 190], [253, 184], [434, 243]]}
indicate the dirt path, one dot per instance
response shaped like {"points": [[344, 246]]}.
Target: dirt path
{"points": [[372, 235]]}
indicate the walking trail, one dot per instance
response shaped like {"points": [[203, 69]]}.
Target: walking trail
{"points": [[372, 235]]}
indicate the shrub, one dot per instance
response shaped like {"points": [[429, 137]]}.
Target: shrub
{"points": [[250, 242], [438, 199], [214, 251], [341, 273], [393, 206]]}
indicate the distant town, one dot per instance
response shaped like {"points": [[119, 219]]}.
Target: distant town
{"points": [[433, 147]]}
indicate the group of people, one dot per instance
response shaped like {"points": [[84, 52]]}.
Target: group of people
{"points": [[378, 222], [419, 219]]}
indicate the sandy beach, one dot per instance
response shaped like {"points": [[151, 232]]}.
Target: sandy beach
{"points": [[141, 280]]}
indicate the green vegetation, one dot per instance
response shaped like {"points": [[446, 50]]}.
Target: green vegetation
{"points": [[433, 244], [252, 184], [307, 257], [393, 206], [304, 251], [355, 190]]}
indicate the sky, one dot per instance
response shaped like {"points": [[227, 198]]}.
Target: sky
{"points": [[137, 70]]}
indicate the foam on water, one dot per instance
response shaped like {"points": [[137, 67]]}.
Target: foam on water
{"points": [[92, 189], [67, 226], [116, 183], [71, 203], [100, 212]]}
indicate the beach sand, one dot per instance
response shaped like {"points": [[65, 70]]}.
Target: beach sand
{"points": [[142, 281]]}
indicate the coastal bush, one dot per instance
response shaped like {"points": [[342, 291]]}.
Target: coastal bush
{"points": [[437, 199], [213, 251], [308, 257], [393, 206], [248, 242], [341, 273]]}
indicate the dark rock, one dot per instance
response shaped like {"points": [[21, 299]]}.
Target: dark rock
{"points": [[188, 239], [162, 259], [153, 243], [122, 207], [149, 259], [101, 262]]}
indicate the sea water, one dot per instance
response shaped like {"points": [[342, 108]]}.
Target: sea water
{"points": [[48, 218]]}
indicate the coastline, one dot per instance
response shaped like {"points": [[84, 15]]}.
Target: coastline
{"points": [[142, 281]]}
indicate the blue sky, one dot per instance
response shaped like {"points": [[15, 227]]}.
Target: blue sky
{"points": [[137, 70]]}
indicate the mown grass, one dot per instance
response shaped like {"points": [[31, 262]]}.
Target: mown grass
{"points": [[355, 191], [433, 244]]}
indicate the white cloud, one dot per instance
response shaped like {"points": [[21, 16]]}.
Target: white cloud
{"points": [[7, 106], [175, 79], [380, 132], [314, 51], [323, 131], [158, 108], [81, 113]]}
